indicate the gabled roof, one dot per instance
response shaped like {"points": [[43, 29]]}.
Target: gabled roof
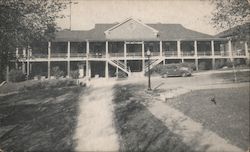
{"points": [[127, 20], [166, 32]]}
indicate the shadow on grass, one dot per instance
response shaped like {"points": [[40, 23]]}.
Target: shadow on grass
{"points": [[43, 120], [138, 129]]}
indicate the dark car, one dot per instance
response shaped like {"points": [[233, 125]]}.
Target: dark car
{"points": [[175, 70]]}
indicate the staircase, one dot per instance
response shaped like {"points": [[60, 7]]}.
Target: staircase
{"points": [[152, 63], [120, 65]]}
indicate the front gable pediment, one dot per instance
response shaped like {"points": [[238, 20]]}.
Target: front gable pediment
{"points": [[131, 30]]}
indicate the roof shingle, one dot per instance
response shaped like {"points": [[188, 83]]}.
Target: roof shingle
{"points": [[166, 32]]}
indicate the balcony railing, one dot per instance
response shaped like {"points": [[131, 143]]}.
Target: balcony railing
{"points": [[155, 53], [134, 54], [78, 55], [239, 53], [205, 53], [170, 53], [59, 55], [96, 55], [187, 53], [220, 53], [120, 54]]}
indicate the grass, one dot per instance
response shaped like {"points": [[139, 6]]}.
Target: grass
{"points": [[39, 119], [242, 76], [138, 129], [35, 84], [229, 117]]}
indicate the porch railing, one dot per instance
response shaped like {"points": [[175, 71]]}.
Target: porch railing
{"points": [[239, 53], [97, 55], [187, 53], [205, 53], [59, 55], [39, 56], [220, 53], [154, 53], [119, 54], [78, 55], [134, 54], [170, 53]]}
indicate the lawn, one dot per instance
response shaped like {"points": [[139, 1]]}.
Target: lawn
{"points": [[138, 129], [39, 119], [229, 117], [242, 76]]}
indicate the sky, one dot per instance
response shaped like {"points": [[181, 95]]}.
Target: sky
{"points": [[193, 14]]}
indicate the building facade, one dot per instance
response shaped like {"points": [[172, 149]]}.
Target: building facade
{"points": [[111, 48]]}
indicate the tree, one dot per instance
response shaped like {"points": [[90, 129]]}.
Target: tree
{"points": [[25, 21], [233, 15], [230, 13]]}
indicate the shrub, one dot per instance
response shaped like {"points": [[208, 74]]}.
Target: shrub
{"points": [[161, 69], [57, 72], [16, 76], [74, 74], [122, 74], [204, 65]]}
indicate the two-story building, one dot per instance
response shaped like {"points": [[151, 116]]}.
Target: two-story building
{"points": [[109, 48]]}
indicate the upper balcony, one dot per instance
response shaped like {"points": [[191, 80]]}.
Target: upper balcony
{"points": [[120, 49]]}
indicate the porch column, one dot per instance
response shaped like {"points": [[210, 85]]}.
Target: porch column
{"points": [[161, 48], [196, 64], [196, 56], [17, 52], [195, 49], [68, 60], [28, 61], [106, 70], [87, 68], [212, 48], [213, 63], [24, 52], [87, 59], [143, 57], [49, 54], [23, 67], [23, 62], [106, 49], [213, 58], [125, 54], [87, 47], [246, 50], [179, 48], [230, 49]]}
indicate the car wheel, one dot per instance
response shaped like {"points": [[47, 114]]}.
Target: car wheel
{"points": [[183, 74]]}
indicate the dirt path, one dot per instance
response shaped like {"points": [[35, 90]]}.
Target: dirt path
{"points": [[95, 130]]}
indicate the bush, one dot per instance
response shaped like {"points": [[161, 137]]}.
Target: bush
{"points": [[122, 74], [74, 74], [50, 85], [16, 76], [57, 72], [204, 65], [161, 69]]}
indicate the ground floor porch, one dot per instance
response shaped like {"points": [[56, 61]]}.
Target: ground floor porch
{"points": [[111, 67]]}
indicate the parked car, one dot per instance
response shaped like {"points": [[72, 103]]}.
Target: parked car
{"points": [[176, 70]]}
